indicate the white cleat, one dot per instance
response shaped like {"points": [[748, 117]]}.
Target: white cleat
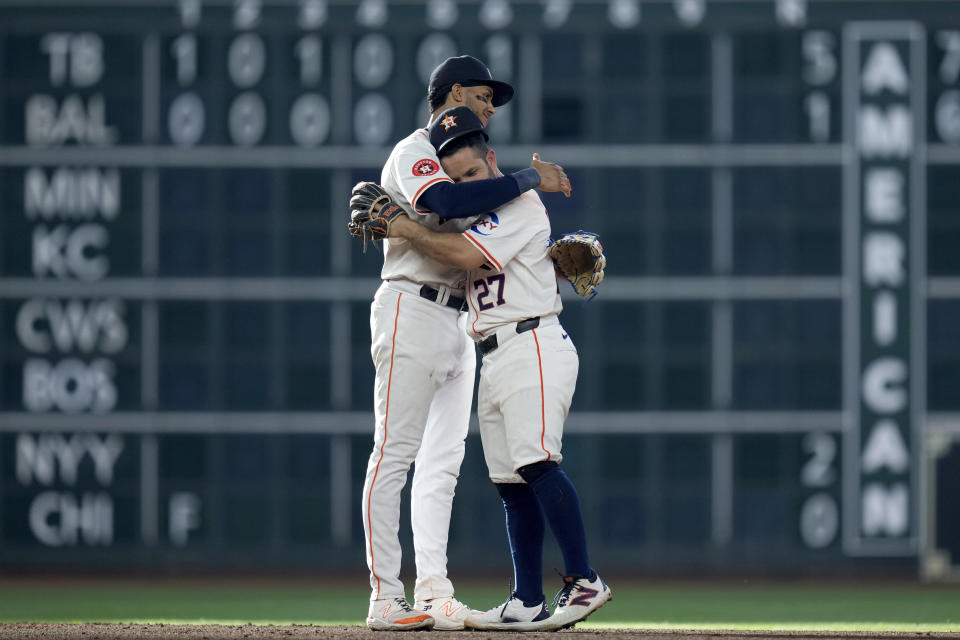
{"points": [[449, 613], [397, 615], [511, 616], [576, 600]]}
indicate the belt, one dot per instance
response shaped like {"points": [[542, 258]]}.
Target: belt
{"points": [[431, 294], [489, 344]]}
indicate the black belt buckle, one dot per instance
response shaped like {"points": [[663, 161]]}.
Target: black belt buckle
{"points": [[453, 302], [489, 344], [528, 324], [429, 293]]}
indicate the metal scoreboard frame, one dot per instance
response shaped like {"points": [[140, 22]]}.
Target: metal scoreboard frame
{"points": [[875, 501]]}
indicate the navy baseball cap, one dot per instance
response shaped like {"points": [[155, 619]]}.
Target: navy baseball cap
{"points": [[452, 124], [469, 72]]}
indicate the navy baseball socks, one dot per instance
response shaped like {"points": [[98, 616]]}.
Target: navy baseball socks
{"points": [[547, 495], [583, 591], [526, 608], [525, 529], [560, 503]]}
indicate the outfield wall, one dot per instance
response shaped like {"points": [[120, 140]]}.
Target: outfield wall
{"points": [[768, 377]]}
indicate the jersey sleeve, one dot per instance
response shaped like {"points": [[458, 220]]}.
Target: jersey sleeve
{"points": [[471, 198], [415, 167], [500, 235]]}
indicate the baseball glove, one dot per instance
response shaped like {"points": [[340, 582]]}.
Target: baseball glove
{"points": [[579, 257], [372, 211]]}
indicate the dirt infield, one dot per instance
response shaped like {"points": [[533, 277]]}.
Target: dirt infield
{"points": [[33, 631]]}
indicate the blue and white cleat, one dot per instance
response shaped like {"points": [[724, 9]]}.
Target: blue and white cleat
{"points": [[512, 615], [578, 598]]}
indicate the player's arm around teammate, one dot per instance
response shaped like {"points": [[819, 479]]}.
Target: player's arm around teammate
{"points": [[448, 248]]}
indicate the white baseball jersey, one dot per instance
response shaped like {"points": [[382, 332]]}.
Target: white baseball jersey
{"points": [[411, 168], [518, 281]]}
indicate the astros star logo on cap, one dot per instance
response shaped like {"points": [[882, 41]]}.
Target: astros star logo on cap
{"points": [[449, 121]]}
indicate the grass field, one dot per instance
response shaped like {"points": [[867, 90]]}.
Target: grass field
{"points": [[728, 605]]}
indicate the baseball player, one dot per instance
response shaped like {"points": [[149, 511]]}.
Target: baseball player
{"points": [[424, 363], [527, 381]]}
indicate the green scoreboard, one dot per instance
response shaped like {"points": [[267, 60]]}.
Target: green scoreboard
{"points": [[770, 375]]}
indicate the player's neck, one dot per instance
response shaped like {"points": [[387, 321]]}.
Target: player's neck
{"points": [[436, 114]]}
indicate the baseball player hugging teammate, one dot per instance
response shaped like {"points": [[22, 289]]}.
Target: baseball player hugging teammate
{"points": [[424, 362], [529, 368]]}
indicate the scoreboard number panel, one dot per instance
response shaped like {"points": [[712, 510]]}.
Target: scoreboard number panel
{"points": [[181, 311]]}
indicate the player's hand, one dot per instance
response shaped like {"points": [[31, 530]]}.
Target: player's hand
{"points": [[552, 176], [372, 213], [400, 227]]}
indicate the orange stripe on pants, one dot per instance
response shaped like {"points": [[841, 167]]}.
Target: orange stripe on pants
{"points": [[543, 400], [386, 419]]}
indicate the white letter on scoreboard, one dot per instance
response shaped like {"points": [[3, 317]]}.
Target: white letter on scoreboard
{"points": [[885, 510], [34, 461], [884, 318], [56, 45], [883, 390], [883, 256], [884, 195], [885, 448], [184, 516], [887, 133], [86, 59], [884, 70]]}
